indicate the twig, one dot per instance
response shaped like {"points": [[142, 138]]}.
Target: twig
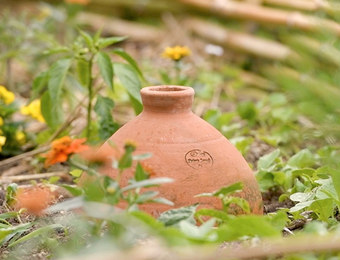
{"points": [[34, 176], [21, 168], [23, 155], [136, 31]]}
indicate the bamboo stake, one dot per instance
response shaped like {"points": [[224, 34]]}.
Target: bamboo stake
{"points": [[113, 26], [238, 41], [262, 14], [302, 5]]}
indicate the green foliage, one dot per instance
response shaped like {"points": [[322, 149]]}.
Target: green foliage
{"points": [[76, 62]]}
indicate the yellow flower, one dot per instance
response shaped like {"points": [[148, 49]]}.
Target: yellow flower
{"points": [[2, 142], [1, 121], [6, 95], [33, 110], [176, 53], [20, 137]]}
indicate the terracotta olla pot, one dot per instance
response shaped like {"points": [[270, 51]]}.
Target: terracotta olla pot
{"points": [[186, 148]]}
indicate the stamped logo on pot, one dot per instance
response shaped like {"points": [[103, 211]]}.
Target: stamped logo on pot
{"points": [[198, 159]]}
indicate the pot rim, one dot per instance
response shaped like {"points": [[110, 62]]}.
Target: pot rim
{"points": [[168, 90]]}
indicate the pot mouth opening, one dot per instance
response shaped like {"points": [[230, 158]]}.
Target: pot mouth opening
{"points": [[168, 88]]}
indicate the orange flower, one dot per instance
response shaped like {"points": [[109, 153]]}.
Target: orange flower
{"points": [[62, 148], [79, 2], [148, 168], [35, 200]]}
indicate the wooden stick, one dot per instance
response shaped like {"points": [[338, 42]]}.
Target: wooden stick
{"points": [[23, 155], [246, 11], [113, 26], [302, 5], [238, 41], [21, 168], [38, 176]]}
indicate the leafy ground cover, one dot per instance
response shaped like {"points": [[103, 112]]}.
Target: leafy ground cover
{"points": [[73, 78]]}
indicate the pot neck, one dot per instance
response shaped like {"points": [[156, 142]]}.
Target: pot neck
{"points": [[167, 99]]}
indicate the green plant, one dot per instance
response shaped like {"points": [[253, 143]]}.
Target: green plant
{"points": [[74, 72]]}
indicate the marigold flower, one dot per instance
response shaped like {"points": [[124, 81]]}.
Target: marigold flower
{"points": [[176, 53], [79, 2], [6, 96], [1, 121], [62, 148], [35, 200], [2, 142], [33, 110]]}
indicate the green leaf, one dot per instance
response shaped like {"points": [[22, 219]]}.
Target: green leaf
{"points": [[35, 233], [129, 59], [96, 37], [103, 108], [10, 214], [52, 118], [66, 205], [248, 225], [39, 84], [76, 173], [335, 173], [247, 110], [301, 206], [162, 201], [83, 70], [140, 174], [213, 213], [140, 157], [266, 161], [105, 68], [144, 197], [303, 159], [323, 208], [11, 192], [56, 78], [129, 79], [225, 191], [137, 105], [75, 191], [147, 183], [4, 232], [88, 39], [198, 233], [241, 202], [104, 42], [174, 216], [147, 219]]}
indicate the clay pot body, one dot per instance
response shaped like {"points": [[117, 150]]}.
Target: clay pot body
{"points": [[186, 148]]}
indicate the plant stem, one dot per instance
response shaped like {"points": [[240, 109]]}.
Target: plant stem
{"points": [[89, 106], [84, 168]]}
